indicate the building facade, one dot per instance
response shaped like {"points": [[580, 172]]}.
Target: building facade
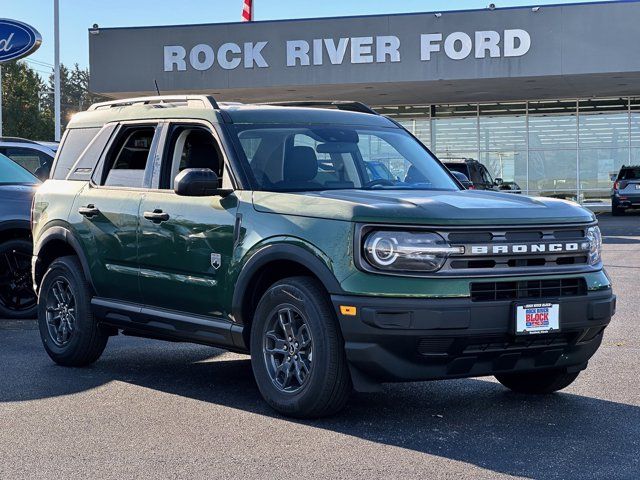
{"points": [[547, 97]]}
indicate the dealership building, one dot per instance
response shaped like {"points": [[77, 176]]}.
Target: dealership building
{"points": [[546, 96]]}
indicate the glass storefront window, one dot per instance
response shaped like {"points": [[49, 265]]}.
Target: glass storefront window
{"points": [[510, 166], [561, 148], [455, 135], [635, 122], [596, 167], [604, 130], [553, 172]]}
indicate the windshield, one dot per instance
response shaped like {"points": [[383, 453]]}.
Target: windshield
{"points": [[325, 157], [11, 172]]}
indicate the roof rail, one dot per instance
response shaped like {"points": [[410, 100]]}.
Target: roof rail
{"points": [[16, 140], [207, 100], [339, 104]]}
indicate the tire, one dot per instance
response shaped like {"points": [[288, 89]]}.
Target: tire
{"points": [[17, 298], [617, 211], [326, 383], [84, 341], [537, 383]]}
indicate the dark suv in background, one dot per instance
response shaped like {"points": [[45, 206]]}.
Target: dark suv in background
{"points": [[626, 190], [479, 175]]}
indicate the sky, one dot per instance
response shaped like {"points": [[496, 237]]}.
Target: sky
{"points": [[76, 16]]}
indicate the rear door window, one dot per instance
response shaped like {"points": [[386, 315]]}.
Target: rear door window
{"points": [[74, 143], [128, 157]]}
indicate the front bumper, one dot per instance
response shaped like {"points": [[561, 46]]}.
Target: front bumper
{"points": [[399, 339]]}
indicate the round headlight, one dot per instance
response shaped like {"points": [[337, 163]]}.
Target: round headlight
{"points": [[384, 250], [407, 251]]}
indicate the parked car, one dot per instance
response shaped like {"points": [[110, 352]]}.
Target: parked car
{"points": [[37, 157], [626, 190], [462, 178], [479, 175], [217, 224], [17, 186]]}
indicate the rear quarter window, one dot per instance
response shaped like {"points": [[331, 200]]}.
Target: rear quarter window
{"points": [[75, 142]]}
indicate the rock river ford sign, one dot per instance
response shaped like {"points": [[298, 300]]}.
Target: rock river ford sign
{"points": [[353, 50], [405, 59], [17, 40]]}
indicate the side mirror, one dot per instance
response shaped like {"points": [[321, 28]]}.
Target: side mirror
{"points": [[498, 181], [198, 182]]}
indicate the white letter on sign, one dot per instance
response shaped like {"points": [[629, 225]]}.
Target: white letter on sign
{"points": [[223, 56], [297, 50], [450, 46], [174, 55], [387, 46], [361, 50], [208, 53], [488, 40], [336, 53], [253, 55], [510, 48], [428, 45]]}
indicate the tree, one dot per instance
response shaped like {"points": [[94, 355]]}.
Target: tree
{"points": [[22, 107], [74, 93], [28, 102]]}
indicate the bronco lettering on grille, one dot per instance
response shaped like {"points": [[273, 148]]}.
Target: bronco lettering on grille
{"points": [[528, 248]]}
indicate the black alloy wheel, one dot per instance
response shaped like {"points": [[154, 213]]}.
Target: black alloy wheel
{"points": [[17, 298], [60, 312], [288, 349]]}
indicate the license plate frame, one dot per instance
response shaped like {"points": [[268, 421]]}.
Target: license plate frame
{"points": [[545, 318]]}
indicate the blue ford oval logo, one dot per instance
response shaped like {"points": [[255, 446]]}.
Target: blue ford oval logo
{"points": [[17, 40]]}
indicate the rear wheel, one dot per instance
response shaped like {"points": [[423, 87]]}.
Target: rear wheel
{"points": [[17, 298], [544, 382], [69, 332], [297, 350], [617, 211]]}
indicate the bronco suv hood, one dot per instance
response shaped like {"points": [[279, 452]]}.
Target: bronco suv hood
{"points": [[423, 207]]}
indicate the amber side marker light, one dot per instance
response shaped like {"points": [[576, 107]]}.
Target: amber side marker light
{"points": [[347, 310]]}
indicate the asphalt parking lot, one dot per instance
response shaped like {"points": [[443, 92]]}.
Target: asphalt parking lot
{"points": [[150, 409]]}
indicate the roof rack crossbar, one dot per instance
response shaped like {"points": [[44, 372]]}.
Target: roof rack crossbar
{"points": [[208, 101], [339, 104]]}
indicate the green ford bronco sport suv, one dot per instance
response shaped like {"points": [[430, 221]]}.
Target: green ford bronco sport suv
{"points": [[260, 229]]}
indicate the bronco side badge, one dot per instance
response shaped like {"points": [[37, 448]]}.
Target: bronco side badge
{"points": [[216, 260]]}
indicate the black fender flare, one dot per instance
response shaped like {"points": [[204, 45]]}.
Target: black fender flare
{"points": [[65, 235], [275, 252]]}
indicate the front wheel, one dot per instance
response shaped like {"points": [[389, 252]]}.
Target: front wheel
{"points": [[537, 383], [69, 332], [297, 350]]}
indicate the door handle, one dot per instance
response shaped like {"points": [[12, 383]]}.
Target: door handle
{"points": [[156, 216], [89, 211]]}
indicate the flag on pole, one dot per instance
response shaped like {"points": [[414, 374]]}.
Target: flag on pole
{"points": [[247, 11]]}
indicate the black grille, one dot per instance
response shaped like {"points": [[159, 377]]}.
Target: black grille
{"points": [[534, 252], [526, 289], [442, 347]]}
